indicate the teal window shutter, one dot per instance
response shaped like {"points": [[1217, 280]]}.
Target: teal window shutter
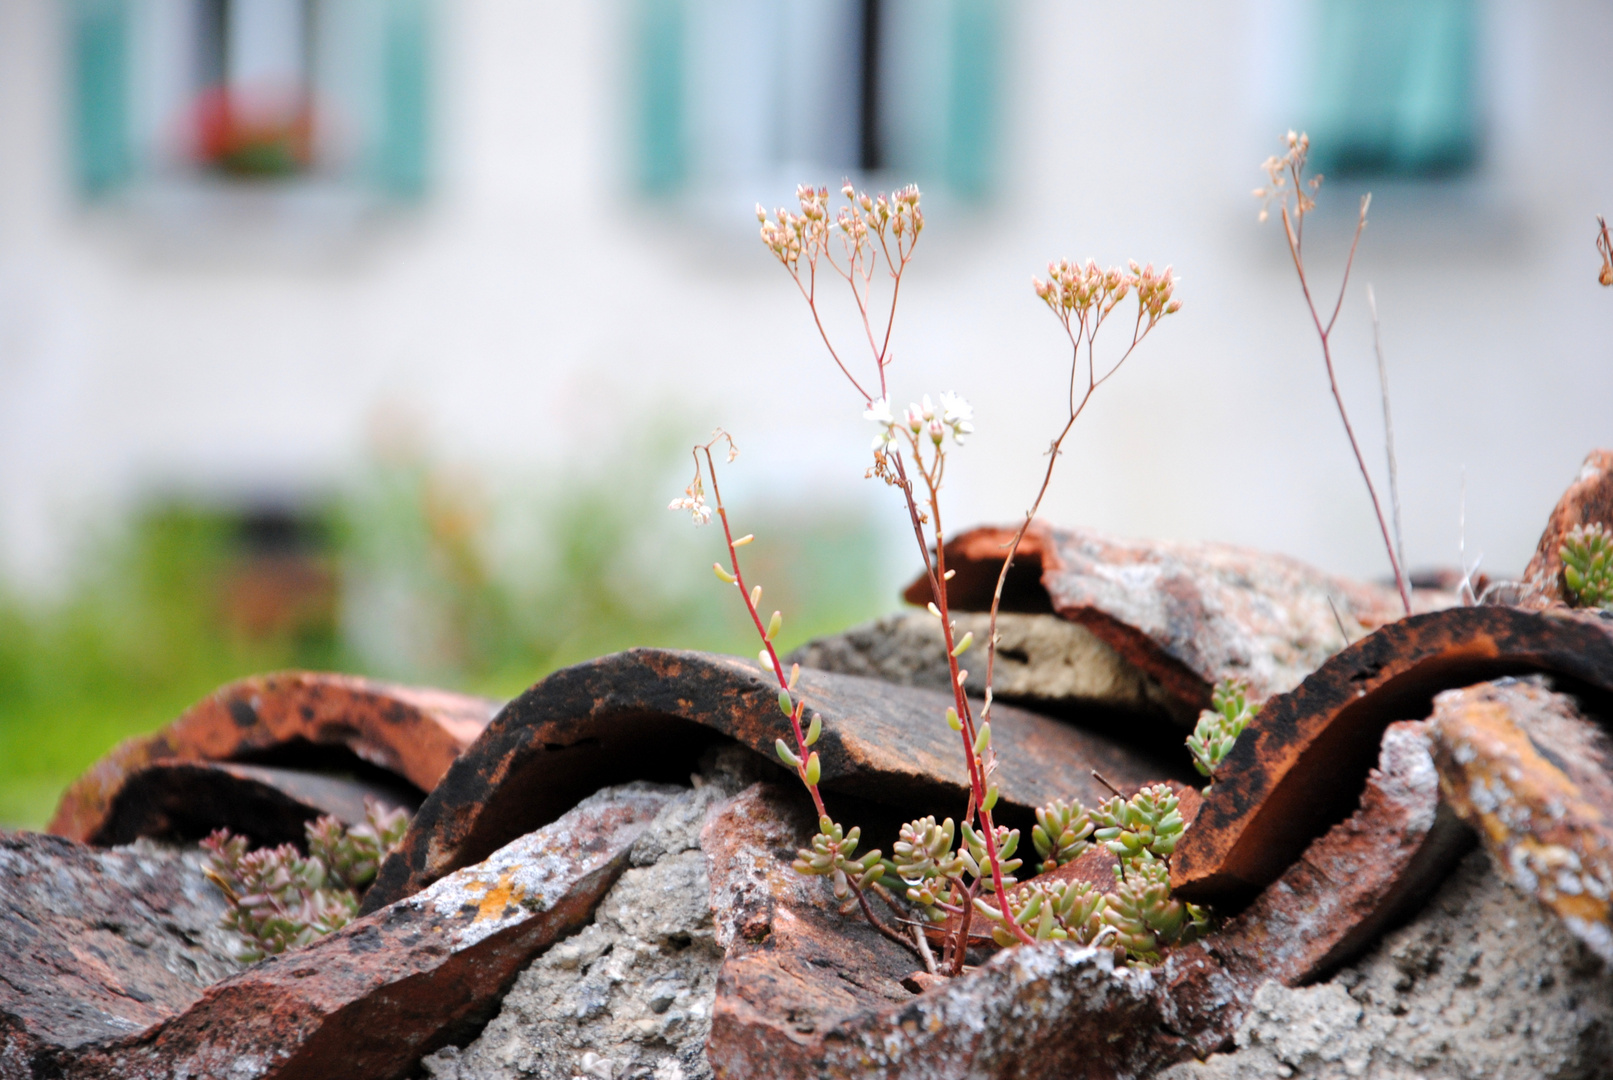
{"points": [[1395, 87], [401, 157], [100, 71], [661, 151], [970, 155]]}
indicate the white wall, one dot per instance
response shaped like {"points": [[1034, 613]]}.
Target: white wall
{"points": [[533, 309]]}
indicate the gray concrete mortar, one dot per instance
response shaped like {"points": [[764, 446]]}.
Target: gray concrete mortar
{"points": [[1484, 982]]}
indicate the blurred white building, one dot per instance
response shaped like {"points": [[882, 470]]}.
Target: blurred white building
{"points": [[233, 233]]}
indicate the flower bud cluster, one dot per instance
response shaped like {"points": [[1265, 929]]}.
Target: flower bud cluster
{"points": [[1083, 291], [1285, 170], [1587, 554], [789, 236], [1076, 289], [694, 501], [280, 899], [1220, 725], [1154, 290], [864, 214]]}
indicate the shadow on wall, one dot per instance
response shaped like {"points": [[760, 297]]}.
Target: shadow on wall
{"points": [[418, 573]]}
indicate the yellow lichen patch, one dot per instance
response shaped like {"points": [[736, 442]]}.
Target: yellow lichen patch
{"points": [[498, 897], [1537, 824]]}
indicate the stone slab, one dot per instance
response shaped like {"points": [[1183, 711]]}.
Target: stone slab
{"points": [[1301, 762], [1042, 661], [98, 944], [1188, 614], [295, 718], [372, 998], [1524, 767], [650, 713]]}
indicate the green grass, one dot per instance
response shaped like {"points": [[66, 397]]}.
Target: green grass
{"points": [[438, 586]]}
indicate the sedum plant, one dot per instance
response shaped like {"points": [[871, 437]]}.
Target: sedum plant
{"points": [[866, 245], [280, 899], [1587, 554], [1220, 725], [1062, 833], [1146, 824], [1138, 918]]}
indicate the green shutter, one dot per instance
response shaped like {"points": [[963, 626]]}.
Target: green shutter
{"points": [[100, 37], [401, 164], [975, 48], [662, 159], [1394, 90]]}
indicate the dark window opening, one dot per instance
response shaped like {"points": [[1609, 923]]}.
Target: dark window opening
{"points": [[870, 151], [1395, 88]]}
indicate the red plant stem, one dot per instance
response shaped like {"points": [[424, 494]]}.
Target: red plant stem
{"points": [[1295, 242], [811, 298], [961, 948], [802, 749], [772, 654], [936, 570]]}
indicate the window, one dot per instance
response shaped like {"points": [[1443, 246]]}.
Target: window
{"points": [[250, 90], [738, 93], [1394, 89]]}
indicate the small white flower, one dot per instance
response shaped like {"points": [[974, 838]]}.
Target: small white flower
{"points": [[958, 415], [880, 412], [694, 501]]}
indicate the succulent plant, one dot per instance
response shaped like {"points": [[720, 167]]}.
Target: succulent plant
{"points": [[975, 859], [280, 899], [1220, 725], [926, 863], [1061, 834], [1051, 911], [353, 855], [1587, 554], [831, 856], [1148, 823], [1144, 915]]}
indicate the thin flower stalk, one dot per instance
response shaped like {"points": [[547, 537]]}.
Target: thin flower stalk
{"points": [[833, 848], [910, 453], [1295, 196], [1604, 248], [868, 231], [1082, 298]]}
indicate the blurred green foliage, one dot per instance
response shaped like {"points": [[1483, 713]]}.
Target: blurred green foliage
{"points": [[418, 574]]}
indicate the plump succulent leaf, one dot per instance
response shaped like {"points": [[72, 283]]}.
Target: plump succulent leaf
{"points": [[1220, 725], [280, 899], [1587, 554], [1062, 833]]}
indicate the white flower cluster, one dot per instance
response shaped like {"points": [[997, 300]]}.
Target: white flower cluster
{"points": [[694, 501], [955, 414]]}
